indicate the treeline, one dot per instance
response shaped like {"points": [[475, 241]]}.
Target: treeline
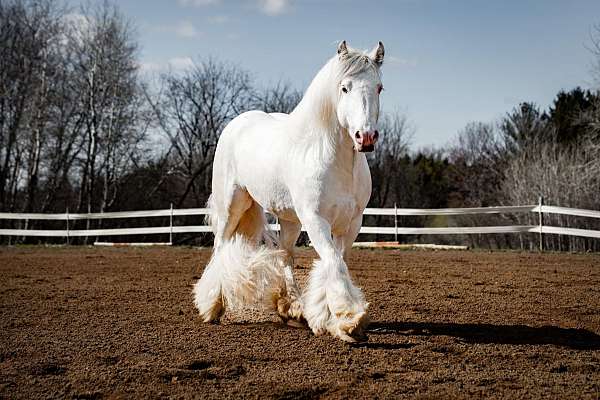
{"points": [[526, 154], [83, 128]]}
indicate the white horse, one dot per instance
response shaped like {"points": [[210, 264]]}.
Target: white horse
{"points": [[309, 169]]}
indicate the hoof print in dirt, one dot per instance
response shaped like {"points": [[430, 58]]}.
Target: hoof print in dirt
{"points": [[199, 365], [377, 375], [88, 395], [109, 360], [201, 369], [48, 369], [302, 393]]}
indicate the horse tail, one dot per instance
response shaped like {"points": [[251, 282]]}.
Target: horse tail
{"points": [[240, 273], [210, 218], [268, 236]]}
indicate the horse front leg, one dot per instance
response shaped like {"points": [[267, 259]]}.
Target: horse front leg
{"points": [[344, 242], [332, 303]]}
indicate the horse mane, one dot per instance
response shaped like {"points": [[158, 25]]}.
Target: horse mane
{"points": [[321, 95], [355, 62]]}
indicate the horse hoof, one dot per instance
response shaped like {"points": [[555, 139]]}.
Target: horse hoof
{"points": [[353, 330], [296, 310], [354, 339], [213, 314], [294, 323]]}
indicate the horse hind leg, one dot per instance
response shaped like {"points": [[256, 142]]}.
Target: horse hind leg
{"points": [[251, 224], [228, 215], [208, 296], [286, 298], [252, 227], [241, 271]]}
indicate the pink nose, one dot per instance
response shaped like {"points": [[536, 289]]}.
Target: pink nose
{"points": [[366, 139]]}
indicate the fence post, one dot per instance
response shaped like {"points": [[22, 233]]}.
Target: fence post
{"points": [[541, 221], [87, 223], [26, 227], [395, 223], [171, 226], [68, 234]]}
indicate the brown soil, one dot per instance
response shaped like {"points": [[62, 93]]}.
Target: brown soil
{"points": [[94, 323]]}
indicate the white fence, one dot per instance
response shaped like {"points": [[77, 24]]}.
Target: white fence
{"points": [[539, 209]]}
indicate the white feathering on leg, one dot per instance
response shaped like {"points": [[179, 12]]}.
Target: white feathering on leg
{"points": [[332, 303], [250, 275], [207, 292], [346, 303], [316, 311]]}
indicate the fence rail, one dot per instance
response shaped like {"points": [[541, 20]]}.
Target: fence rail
{"points": [[107, 215], [540, 229]]}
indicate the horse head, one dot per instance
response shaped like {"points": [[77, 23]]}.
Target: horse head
{"points": [[359, 86]]}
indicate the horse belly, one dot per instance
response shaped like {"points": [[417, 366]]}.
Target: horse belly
{"points": [[260, 179], [257, 159], [274, 198]]}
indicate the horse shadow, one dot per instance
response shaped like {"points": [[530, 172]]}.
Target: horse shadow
{"points": [[577, 339]]}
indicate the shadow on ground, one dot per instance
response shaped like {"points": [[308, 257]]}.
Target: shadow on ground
{"points": [[578, 339]]}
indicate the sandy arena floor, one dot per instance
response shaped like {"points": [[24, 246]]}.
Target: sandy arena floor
{"points": [[119, 323]]}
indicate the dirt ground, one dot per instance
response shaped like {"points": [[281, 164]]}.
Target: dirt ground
{"points": [[119, 323]]}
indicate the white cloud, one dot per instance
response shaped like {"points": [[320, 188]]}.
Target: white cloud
{"points": [[174, 64], [186, 29], [197, 3], [150, 67], [274, 7], [269, 7], [180, 63]]}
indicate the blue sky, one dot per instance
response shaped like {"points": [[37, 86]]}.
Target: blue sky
{"points": [[447, 62]]}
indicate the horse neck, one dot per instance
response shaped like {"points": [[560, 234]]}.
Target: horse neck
{"points": [[316, 120]]}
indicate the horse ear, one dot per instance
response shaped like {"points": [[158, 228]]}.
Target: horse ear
{"points": [[342, 49], [377, 54]]}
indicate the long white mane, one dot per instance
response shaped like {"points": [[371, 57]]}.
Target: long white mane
{"points": [[315, 116], [321, 96]]}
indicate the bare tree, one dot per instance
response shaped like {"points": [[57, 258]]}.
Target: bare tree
{"points": [[565, 176], [280, 98], [478, 157], [65, 135], [196, 105], [386, 162], [594, 48], [111, 100], [591, 117], [29, 39]]}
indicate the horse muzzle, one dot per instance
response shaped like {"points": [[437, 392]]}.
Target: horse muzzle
{"points": [[364, 142]]}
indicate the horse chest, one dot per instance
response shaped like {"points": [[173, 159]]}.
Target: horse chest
{"points": [[341, 214], [338, 194], [342, 202]]}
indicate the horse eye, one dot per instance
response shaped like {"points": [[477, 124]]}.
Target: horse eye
{"points": [[344, 89], [379, 89]]}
